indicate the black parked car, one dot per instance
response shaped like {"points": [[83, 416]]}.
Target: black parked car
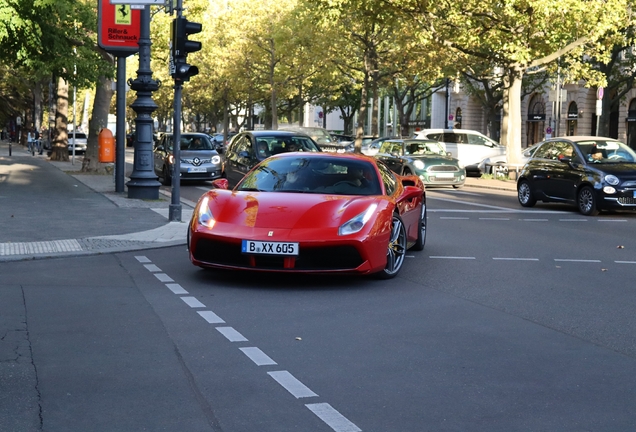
{"points": [[594, 173], [249, 148]]}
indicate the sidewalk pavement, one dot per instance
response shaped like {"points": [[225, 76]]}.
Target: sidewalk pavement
{"points": [[50, 209]]}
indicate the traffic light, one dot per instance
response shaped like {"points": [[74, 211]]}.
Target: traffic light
{"points": [[181, 46]]}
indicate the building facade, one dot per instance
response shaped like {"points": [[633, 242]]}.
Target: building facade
{"points": [[540, 116]]}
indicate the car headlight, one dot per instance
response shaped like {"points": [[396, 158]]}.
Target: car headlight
{"points": [[612, 179], [609, 190], [355, 224], [418, 164], [171, 159], [204, 215], [216, 160]]}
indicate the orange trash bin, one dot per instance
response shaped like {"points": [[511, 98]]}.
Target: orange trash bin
{"points": [[106, 144]]}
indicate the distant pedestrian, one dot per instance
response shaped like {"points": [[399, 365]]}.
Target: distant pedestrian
{"points": [[30, 142]]}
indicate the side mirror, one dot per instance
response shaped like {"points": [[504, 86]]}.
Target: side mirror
{"points": [[221, 183], [159, 148]]}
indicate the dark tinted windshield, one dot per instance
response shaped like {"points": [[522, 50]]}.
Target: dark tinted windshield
{"points": [[271, 145], [192, 142], [313, 175]]}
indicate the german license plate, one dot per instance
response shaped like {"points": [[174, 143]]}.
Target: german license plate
{"points": [[196, 169], [444, 175], [269, 248]]}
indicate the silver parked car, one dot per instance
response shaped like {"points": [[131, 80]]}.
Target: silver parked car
{"points": [[80, 142], [198, 158]]}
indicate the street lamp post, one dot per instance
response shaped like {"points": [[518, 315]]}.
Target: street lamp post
{"points": [[143, 182]]}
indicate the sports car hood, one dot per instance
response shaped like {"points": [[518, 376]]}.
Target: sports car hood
{"points": [[286, 210]]}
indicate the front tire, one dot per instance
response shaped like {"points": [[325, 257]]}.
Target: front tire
{"points": [[396, 250], [524, 194], [587, 202], [421, 235]]}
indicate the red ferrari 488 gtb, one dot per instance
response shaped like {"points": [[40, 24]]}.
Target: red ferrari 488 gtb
{"points": [[306, 212]]}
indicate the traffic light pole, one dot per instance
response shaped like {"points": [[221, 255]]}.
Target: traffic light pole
{"points": [[175, 203], [181, 71], [174, 210]]}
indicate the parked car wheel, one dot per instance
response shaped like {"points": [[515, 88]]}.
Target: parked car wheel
{"points": [[587, 202], [397, 250], [524, 193], [421, 236]]}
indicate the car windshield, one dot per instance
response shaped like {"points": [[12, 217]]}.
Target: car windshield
{"points": [[273, 144], [320, 175], [193, 142], [606, 151], [424, 148]]}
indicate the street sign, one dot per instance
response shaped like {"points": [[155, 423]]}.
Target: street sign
{"points": [[599, 107], [548, 130], [599, 93], [118, 28]]}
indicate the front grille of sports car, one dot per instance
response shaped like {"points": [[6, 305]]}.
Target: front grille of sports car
{"points": [[317, 258]]}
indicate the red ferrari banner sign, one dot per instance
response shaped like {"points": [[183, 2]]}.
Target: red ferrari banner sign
{"points": [[118, 28]]}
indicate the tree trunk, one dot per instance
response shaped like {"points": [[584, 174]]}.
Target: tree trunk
{"points": [[604, 121], [362, 114], [375, 130], [99, 119], [511, 121], [37, 106], [59, 148]]}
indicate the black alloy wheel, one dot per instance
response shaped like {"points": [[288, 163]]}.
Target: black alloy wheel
{"points": [[524, 193], [396, 250], [421, 234], [587, 202]]}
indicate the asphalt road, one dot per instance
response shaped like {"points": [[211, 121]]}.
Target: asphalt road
{"points": [[510, 319]]}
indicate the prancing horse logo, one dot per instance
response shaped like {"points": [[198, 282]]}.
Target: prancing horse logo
{"points": [[271, 233]]}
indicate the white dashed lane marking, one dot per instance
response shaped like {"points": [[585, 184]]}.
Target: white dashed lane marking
{"points": [[291, 384], [452, 257], [211, 317], [142, 259], [333, 418], [176, 288], [576, 260], [515, 259], [193, 302], [163, 277], [258, 356], [152, 267], [231, 334]]}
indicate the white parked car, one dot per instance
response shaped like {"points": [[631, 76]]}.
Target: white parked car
{"points": [[80, 146], [470, 147], [486, 165]]}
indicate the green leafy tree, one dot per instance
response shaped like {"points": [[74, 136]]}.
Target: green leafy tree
{"points": [[517, 36]]}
